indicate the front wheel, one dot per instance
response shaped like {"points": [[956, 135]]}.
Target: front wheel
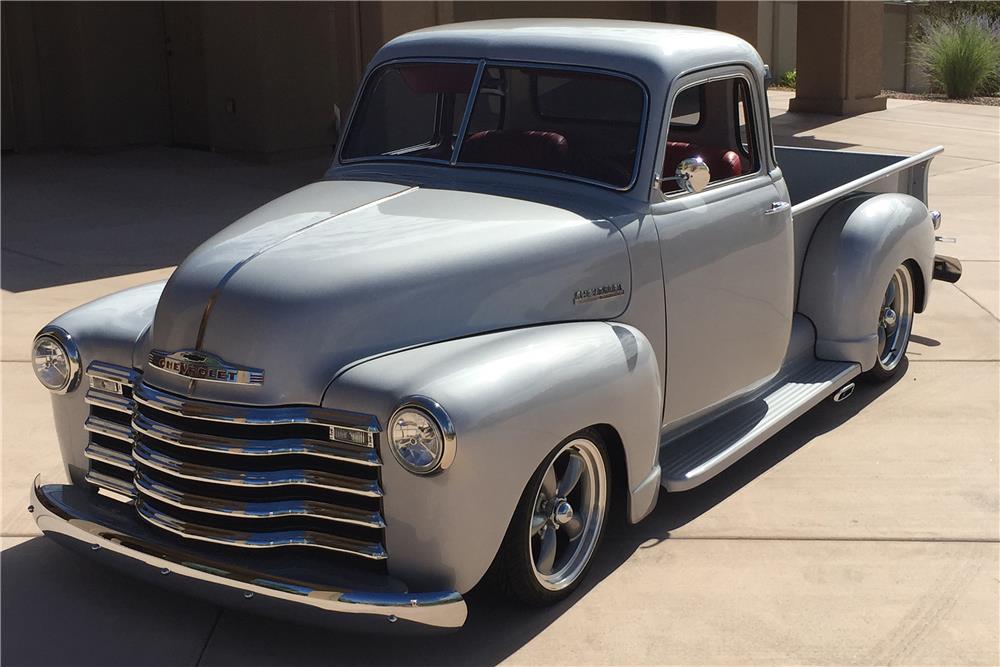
{"points": [[558, 523], [895, 322]]}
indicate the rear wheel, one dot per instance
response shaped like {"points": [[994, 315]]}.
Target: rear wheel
{"points": [[558, 524], [895, 322]]}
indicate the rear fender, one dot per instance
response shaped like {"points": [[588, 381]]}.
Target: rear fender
{"points": [[856, 247], [512, 397]]}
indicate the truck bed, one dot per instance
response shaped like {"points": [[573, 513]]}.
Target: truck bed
{"points": [[817, 178]]}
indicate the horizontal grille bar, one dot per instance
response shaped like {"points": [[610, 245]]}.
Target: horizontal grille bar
{"points": [[110, 483], [109, 428], [256, 510], [238, 414], [112, 457], [112, 373], [246, 478], [260, 540], [247, 447], [109, 401]]}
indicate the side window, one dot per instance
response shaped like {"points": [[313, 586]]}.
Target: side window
{"points": [[714, 121], [687, 108]]}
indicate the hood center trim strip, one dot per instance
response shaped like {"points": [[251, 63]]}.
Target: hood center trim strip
{"points": [[217, 290]]}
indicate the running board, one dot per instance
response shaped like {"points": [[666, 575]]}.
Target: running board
{"points": [[699, 455]]}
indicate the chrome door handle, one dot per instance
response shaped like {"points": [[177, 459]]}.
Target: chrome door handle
{"points": [[777, 207]]}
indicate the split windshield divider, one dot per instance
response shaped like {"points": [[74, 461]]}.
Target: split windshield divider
{"points": [[467, 117]]}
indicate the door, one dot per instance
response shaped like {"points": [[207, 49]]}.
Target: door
{"points": [[186, 74], [727, 252]]}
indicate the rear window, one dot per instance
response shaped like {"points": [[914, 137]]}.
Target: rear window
{"points": [[581, 124], [587, 98]]}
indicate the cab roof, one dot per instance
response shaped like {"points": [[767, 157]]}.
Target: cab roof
{"points": [[654, 52]]}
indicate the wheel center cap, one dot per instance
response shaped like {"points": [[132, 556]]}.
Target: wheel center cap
{"points": [[889, 317], [562, 513]]}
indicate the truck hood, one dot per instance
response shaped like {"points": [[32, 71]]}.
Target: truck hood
{"points": [[340, 271]]}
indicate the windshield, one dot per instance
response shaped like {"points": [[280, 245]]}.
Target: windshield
{"points": [[581, 124]]}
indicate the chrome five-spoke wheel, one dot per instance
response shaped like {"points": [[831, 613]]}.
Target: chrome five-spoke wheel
{"points": [[895, 321], [558, 524], [569, 514]]}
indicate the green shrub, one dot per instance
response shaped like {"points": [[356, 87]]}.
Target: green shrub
{"points": [[788, 79], [961, 56]]}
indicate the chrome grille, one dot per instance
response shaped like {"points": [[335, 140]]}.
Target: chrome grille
{"points": [[239, 476]]}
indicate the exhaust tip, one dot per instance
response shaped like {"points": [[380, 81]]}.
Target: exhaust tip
{"points": [[844, 393]]}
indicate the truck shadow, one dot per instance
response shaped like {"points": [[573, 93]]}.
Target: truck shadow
{"points": [[59, 609]]}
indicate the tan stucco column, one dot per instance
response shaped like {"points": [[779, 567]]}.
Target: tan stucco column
{"points": [[839, 58]]}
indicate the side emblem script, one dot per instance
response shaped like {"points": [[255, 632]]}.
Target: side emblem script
{"points": [[204, 366], [597, 293]]}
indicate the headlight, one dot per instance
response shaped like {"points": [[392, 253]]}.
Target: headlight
{"points": [[421, 436], [56, 360]]}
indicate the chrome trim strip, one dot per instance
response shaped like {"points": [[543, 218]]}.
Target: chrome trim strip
{"points": [[255, 510], [95, 452], [223, 445], [123, 376], [109, 401], [254, 479], [238, 414], [110, 483], [110, 429], [217, 290], [262, 540], [444, 609]]}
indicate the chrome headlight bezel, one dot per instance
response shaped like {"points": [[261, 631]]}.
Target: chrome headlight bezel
{"points": [[431, 410], [65, 341]]}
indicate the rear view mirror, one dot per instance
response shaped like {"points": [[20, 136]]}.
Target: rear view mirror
{"points": [[692, 174]]}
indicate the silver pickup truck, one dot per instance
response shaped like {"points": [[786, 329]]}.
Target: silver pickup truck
{"points": [[555, 269]]}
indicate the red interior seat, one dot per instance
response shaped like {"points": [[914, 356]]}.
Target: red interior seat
{"points": [[532, 149]]}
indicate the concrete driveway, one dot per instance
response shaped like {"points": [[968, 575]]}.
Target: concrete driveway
{"points": [[865, 534]]}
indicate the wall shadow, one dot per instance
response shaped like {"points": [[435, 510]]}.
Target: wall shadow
{"points": [[120, 621], [73, 217]]}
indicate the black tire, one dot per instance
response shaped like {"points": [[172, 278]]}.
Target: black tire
{"points": [[513, 571], [888, 361]]}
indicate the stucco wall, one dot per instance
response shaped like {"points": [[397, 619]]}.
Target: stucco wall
{"points": [[268, 78]]}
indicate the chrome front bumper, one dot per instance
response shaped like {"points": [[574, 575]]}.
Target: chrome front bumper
{"points": [[64, 511]]}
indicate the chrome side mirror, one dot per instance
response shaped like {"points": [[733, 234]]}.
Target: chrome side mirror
{"points": [[692, 174]]}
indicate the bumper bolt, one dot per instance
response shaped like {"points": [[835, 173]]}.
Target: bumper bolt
{"points": [[31, 508], [95, 547], [248, 594], [392, 619], [164, 571]]}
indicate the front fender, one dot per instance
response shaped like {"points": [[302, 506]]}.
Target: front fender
{"points": [[512, 397], [851, 257], [105, 329]]}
